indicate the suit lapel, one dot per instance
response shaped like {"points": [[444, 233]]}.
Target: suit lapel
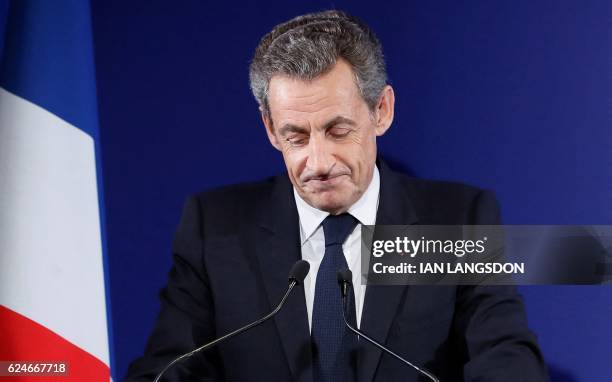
{"points": [[381, 302], [278, 248]]}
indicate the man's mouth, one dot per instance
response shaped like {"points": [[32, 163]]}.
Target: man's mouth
{"points": [[325, 182]]}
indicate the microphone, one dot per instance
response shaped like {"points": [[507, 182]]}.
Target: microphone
{"points": [[296, 276], [345, 278]]}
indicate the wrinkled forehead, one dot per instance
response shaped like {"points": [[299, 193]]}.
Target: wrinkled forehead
{"points": [[332, 92]]}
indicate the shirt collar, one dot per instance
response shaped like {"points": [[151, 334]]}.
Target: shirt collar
{"points": [[363, 210]]}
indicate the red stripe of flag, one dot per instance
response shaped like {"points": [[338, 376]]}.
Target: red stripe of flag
{"points": [[22, 339]]}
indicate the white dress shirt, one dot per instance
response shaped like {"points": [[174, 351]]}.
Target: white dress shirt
{"points": [[313, 241]]}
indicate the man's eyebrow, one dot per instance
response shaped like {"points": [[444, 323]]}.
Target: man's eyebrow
{"points": [[337, 120], [290, 128]]}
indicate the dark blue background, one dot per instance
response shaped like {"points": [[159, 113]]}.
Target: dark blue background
{"points": [[515, 96]]}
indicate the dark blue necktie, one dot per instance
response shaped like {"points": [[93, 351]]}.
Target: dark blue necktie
{"points": [[333, 345]]}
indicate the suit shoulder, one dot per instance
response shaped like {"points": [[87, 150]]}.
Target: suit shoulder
{"points": [[441, 190], [446, 202], [236, 194], [226, 208], [239, 197]]}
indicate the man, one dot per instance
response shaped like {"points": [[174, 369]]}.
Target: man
{"points": [[321, 85]]}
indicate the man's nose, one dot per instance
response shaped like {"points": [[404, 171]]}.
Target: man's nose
{"points": [[320, 157]]}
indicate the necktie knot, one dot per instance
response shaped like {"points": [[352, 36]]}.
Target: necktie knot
{"points": [[337, 228]]}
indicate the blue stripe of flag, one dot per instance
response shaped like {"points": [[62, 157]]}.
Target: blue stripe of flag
{"points": [[3, 11], [48, 59]]}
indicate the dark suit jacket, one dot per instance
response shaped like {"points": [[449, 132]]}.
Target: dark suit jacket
{"points": [[232, 253]]}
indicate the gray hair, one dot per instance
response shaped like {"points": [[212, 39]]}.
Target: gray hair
{"points": [[309, 45]]}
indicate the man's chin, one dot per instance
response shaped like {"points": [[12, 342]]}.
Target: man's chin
{"points": [[330, 203]]}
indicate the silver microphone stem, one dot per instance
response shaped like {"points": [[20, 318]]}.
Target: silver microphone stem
{"points": [[359, 333]]}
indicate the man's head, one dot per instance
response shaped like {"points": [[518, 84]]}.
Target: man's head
{"points": [[321, 85]]}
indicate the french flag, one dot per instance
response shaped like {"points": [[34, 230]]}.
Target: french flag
{"points": [[53, 305]]}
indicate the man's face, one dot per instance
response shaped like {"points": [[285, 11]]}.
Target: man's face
{"points": [[327, 135]]}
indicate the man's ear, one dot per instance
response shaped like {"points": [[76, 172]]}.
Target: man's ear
{"points": [[267, 121], [384, 110]]}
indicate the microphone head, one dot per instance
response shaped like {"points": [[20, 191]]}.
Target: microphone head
{"points": [[345, 276], [299, 271]]}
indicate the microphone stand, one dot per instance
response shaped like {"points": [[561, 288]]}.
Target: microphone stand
{"points": [[344, 287], [298, 272]]}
